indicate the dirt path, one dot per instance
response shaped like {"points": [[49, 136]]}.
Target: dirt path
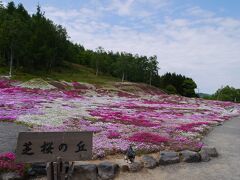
{"points": [[8, 136], [225, 138]]}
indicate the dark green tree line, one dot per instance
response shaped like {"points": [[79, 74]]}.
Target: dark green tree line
{"points": [[30, 42], [178, 84], [226, 93]]}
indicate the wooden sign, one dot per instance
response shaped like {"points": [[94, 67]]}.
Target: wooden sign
{"points": [[48, 146]]}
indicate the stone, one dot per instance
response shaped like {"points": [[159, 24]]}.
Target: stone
{"points": [[37, 169], [212, 151], [204, 156], [9, 142], [135, 167], [168, 157], [85, 171], [149, 162], [107, 170], [10, 176], [124, 168], [190, 156]]}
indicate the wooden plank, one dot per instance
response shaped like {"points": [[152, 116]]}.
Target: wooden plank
{"points": [[50, 171], [47, 146], [55, 169], [61, 169]]}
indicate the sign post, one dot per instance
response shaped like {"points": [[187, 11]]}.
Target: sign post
{"points": [[54, 148]]}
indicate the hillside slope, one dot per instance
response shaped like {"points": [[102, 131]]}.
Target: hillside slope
{"points": [[119, 114], [68, 72]]}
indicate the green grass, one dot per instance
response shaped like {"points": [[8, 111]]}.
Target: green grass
{"points": [[68, 72], [3, 70]]}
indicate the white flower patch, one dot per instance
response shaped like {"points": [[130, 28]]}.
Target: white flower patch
{"points": [[189, 134], [55, 113], [37, 83]]}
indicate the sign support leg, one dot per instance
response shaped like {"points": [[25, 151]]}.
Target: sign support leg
{"points": [[50, 171]]}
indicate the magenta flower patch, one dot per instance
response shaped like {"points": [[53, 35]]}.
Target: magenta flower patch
{"points": [[191, 126], [7, 164], [147, 137], [113, 135]]}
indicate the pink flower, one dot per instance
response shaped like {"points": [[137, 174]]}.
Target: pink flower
{"points": [[7, 163], [191, 126], [112, 135], [148, 138]]}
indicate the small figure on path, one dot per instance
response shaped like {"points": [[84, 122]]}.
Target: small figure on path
{"points": [[130, 155]]}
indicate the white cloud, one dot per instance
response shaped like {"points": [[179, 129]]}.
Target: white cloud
{"points": [[4, 3], [156, 4], [134, 8], [71, 14], [205, 48], [121, 7], [198, 12]]}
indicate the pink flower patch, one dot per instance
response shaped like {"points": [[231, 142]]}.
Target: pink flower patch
{"points": [[191, 126], [113, 135], [7, 163], [77, 85], [72, 93], [127, 95], [148, 138], [4, 84]]}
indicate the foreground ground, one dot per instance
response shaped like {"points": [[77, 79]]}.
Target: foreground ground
{"points": [[225, 138]]}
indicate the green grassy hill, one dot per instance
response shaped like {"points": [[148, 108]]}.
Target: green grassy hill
{"points": [[68, 72]]}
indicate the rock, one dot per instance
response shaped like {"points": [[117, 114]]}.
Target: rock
{"points": [[211, 151], [204, 156], [9, 142], [10, 176], [168, 157], [85, 171], [37, 169], [190, 156], [124, 168], [107, 170], [135, 167], [149, 162]]}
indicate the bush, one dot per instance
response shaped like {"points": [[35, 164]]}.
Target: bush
{"points": [[171, 89]]}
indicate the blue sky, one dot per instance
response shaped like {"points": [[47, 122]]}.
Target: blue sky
{"points": [[197, 38]]}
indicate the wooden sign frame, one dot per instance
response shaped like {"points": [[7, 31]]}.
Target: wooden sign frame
{"points": [[49, 146]]}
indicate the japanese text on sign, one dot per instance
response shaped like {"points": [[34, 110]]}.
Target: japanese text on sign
{"points": [[47, 146]]}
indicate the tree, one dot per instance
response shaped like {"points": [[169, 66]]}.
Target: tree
{"points": [[227, 93], [98, 58], [189, 87], [121, 65], [1, 5], [171, 89], [152, 68], [184, 86], [11, 7], [12, 29]]}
